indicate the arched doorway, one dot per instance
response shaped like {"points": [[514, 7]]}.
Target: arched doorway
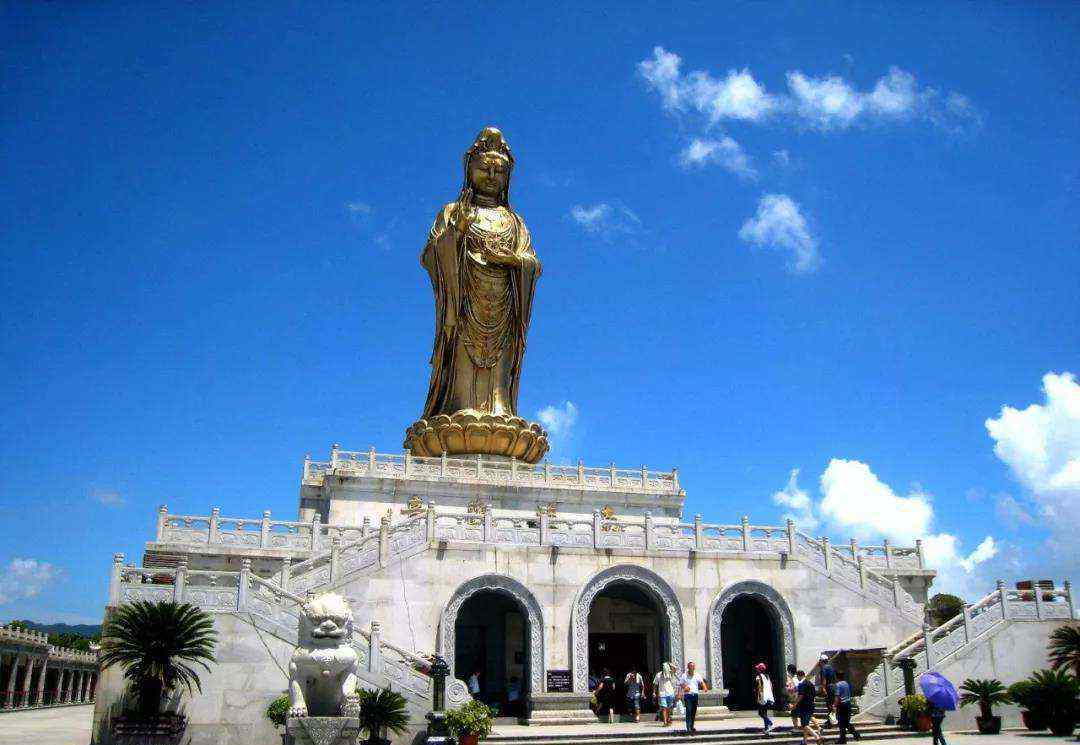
{"points": [[494, 625], [624, 616], [749, 623]]}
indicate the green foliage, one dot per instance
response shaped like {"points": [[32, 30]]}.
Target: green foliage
{"points": [[915, 705], [1021, 693], [984, 692], [944, 606], [278, 710], [1064, 649], [1053, 694], [382, 711], [158, 645], [472, 718]]}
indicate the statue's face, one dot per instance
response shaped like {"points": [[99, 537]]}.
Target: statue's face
{"points": [[489, 174]]}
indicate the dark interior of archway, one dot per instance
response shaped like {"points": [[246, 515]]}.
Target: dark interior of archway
{"points": [[748, 635], [626, 630], [490, 634]]}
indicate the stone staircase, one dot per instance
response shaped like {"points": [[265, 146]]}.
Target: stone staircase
{"points": [[596, 735]]}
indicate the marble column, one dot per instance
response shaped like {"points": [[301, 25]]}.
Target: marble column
{"points": [[28, 673], [65, 685], [40, 700], [93, 686], [85, 685], [9, 691]]}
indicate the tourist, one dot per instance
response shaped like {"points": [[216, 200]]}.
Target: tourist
{"points": [[691, 684], [634, 687], [664, 691], [513, 696], [605, 696], [789, 690], [474, 684], [937, 716], [764, 695], [827, 686], [843, 708], [804, 705]]}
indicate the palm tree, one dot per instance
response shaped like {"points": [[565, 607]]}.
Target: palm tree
{"points": [[985, 693], [158, 645], [381, 711], [1065, 649]]}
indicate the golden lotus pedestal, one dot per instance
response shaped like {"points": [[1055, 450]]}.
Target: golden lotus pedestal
{"points": [[470, 432]]}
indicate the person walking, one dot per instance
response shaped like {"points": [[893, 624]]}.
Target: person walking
{"points": [[634, 686], [691, 684], [827, 687], [804, 705], [474, 684], [937, 716], [764, 694], [790, 683], [843, 708], [605, 696], [664, 691]]}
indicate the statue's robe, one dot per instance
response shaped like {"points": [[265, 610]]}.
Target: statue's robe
{"points": [[476, 300]]}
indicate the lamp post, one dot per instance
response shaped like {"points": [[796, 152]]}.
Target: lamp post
{"points": [[907, 665], [436, 729]]}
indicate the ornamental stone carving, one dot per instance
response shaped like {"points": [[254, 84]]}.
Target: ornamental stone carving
{"points": [[657, 588], [534, 617], [777, 608]]}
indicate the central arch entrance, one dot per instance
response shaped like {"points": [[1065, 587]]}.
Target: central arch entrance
{"points": [[625, 616]]}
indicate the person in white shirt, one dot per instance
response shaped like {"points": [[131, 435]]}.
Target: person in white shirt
{"points": [[664, 691], [764, 693], [474, 684], [691, 684]]}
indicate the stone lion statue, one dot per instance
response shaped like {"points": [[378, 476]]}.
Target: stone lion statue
{"points": [[322, 672]]}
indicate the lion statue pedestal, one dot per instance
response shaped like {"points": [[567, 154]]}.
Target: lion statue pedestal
{"points": [[323, 705]]}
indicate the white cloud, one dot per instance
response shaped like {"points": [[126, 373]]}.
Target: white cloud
{"points": [[956, 573], [735, 96], [25, 578], [725, 152], [779, 223], [559, 420], [855, 499], [108, 497], [606, 218], [781, 158], [824, 101], [358, 208], [1010, 512], [801, 508]]}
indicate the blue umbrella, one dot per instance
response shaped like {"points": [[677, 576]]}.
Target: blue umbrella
{"points": [[939, 691]]}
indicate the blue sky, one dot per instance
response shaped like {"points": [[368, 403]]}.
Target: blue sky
{"points": [[789, 236]]}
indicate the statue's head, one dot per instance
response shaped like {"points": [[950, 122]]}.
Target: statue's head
{"points": [[488, 164], [327, 621]]}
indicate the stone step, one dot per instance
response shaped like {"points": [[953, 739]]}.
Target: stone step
{"points": [[782, 735]]}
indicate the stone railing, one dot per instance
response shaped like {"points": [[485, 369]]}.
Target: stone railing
{"points": [[929, 648], [25, 636], [40, 639], [477, 469], [218, 531], [270, 607]]}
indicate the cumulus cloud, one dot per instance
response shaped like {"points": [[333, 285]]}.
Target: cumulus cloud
{"points": [[724, 152], [797, 500], [559, 421], [959, 574], [826, 102], [1011, 513], [606, 218], [779, 223], [1041, 447], [108, 497], [25, 578]]}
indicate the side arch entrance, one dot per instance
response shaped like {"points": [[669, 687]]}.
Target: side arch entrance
{"points": [[624, 616], [493, 625], [749, 622]]}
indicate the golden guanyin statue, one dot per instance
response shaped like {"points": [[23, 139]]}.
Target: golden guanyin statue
{"points": [[483, 271]]}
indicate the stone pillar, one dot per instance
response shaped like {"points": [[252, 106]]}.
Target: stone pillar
{"points": [[791, 537], [1038, 598], [928, 646], [650, 539], [1004, 597], [825, 550], [39, 700], [698, 542], [1069, 599], [93, 686], [61, 687], [9, 691], [745, 533], [286, 572], [163, 514], [264, 530], [115, 579], [24, 695], [967, 622], [180, 581], [84, 694], [374, 660]]}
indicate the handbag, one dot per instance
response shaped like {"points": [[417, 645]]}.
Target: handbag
{"points": [[680, 708]]}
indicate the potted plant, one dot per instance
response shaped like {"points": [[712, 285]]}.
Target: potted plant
{"points": [[382, 711], [1065, 649], [1022, 694], [158, 646], [278, 710], [986, 693], [469, 724], [917, 710], [1055, 694]]}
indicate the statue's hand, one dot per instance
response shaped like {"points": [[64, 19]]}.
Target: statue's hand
{"points": [[462, 216], [298, 711], [503, 259]]}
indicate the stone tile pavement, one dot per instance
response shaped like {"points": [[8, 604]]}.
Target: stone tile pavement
{"points": [[64, 725]]}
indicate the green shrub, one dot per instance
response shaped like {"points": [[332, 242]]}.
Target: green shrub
{"points": [[382, 711], [984, 692], [915, 705], [278, 710], [472, 718]]}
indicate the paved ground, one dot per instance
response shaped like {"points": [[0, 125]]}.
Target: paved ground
{"points": [[67, 725]]}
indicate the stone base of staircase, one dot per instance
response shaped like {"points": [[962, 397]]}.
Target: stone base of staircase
{"points": [[650, 734], [553, 709]]}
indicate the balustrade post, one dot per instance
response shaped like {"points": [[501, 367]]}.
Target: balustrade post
{"points": [[162, 520], [307, 468], [888, 552], [544, 527], [513, 469], [334, 453], [547, 471], [644, 478], [675, 480], [791, 537], [335, 558], [1038, 598], [927, 646], [1070, 600], [596, 528], [967, 622], [371, 460], [384, 541], [442, 463], [408, 461], [213, 536], [854, 550], [316, 532], [1003, 593], [479, 465], [919, 553], [699, 542], [862, 572], [374, 660], [826, 551], [580, 472], [429, 522], [180, 581], [650, 536], [896, 592], [365, 526], [115, 579], [745, 533], [242, 587], [489, 532], [611, 477], [264, 532], [286, 573]]}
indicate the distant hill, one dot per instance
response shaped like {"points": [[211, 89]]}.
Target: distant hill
{"points": [[79, 629]]}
